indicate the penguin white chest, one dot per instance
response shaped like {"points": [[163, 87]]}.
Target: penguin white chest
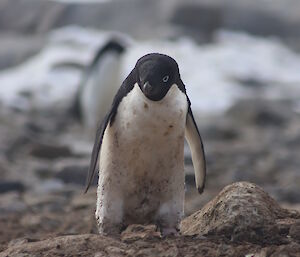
{"points": [[140, 117]]}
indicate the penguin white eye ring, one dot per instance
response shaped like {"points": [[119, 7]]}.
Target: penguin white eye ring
{"points": [[165, 78], [140, 182]]}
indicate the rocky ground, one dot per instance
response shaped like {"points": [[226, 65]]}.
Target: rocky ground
{"points": [[241, 221], [43, 211]]}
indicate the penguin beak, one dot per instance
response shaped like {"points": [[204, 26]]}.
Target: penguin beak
{"points": [[148, 88]]}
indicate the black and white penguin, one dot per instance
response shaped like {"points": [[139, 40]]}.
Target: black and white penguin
{"points": [[99, 83], [140, 147]]}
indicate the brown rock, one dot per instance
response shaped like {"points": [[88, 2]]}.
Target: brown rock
{"points": [[241, 212], [80, 245]]}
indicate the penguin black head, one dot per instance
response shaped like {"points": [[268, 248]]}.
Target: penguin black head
{"points": [[156, 73]]}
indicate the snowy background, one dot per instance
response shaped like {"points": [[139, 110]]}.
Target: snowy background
{"points": [[215, 73]]}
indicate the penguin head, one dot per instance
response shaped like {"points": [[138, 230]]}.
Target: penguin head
{"points": [[156, 73]]}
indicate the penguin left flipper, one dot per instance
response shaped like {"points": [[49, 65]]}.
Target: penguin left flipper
{"points": [[197, 150], [108, 120], [95, 152]]}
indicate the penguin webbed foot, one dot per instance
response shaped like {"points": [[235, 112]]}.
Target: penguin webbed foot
{"points": [[169, 232]]}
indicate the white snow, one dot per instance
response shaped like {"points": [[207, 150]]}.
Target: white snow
{"points": [[210, 72]]}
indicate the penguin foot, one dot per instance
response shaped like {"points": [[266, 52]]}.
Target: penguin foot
{"points": [[165, 232]]}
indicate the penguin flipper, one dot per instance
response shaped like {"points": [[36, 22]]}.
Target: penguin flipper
{"points": [[197, 150], [96, 151], [108, 120]]}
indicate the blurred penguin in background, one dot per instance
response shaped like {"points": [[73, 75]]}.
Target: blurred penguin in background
{"points": [[100, 83]]}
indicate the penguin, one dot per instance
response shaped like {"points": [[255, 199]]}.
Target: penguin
{"points": [[140, 147], [99, 84]]}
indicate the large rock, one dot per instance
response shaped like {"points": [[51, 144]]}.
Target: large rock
{"points": [[241, 212]]}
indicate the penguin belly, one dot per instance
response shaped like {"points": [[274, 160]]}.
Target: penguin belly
{"points": [[141, 178]]}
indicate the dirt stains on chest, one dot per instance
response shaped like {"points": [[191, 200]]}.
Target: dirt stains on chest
{"points": [[116, 139], [169, 130]]}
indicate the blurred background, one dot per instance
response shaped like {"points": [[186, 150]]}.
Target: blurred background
{"points": [[62, 61]]}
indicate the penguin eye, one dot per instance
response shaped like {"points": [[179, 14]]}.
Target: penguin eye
{"points": [[165, 79]]}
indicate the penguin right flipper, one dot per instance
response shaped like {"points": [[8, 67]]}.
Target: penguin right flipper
{"points": [[108, 120], [197, 150]]}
